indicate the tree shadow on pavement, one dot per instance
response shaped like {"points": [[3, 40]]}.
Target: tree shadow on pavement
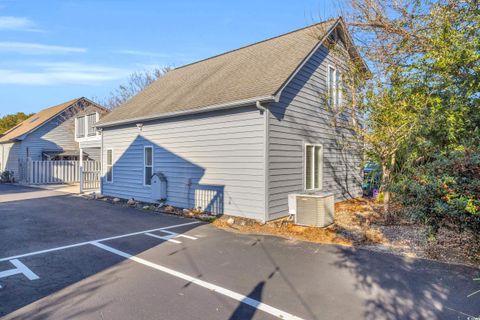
{"points": [[70, 297], [397, 287], [244, 311], [69, 276]]}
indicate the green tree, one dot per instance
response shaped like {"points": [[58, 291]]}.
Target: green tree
{"points": [[432, 48], [424, 96], [11, 120]]}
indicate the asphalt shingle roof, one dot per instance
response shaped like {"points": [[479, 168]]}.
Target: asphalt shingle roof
{"points": [[257, 70], [35, 121]]}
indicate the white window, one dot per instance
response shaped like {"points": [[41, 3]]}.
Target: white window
{"points": [[334, 88], [109, 166], [148, 165], [80, 127], [313, 166], [91, 120]]}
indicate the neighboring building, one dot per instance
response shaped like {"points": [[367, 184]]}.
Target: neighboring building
{"points": [[238, 132], [51, 134]]}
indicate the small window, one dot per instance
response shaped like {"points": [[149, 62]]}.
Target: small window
{"points": [[334, 92], [109, 167], [80, 128], [313, 167], [148, 163], [91, 120]]}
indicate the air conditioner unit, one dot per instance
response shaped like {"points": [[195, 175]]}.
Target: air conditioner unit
{"points": [[312, 209]]}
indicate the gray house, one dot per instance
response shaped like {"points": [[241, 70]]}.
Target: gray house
{"points": [[52, 134], [238, 132]]}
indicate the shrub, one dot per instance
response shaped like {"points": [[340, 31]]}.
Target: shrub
{"points": [[444, 192], [7, 177]]}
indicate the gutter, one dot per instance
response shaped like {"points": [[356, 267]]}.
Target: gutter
{"points": [[260, 107], [223, 106]]}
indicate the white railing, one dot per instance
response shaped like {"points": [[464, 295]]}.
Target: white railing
{"points": [[209, 198], [57, 171]]}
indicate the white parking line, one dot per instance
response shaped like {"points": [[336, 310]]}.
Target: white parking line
{"points": [[178, 235], [167, 238], [19, 268], [98, 240], [226, 292]]}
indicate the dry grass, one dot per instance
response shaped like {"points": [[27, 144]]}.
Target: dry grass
{"points": [[350, 228], [361, 222], [286, 230]]}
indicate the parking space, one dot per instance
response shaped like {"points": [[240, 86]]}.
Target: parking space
{"points": [[66, 257]]}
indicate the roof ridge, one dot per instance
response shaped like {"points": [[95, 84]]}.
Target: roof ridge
{"points": [[66, 104], [70, 102], [258, 42]]}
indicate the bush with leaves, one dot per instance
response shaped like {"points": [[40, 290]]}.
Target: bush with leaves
{"points": [[7, 177], [444, 192]]}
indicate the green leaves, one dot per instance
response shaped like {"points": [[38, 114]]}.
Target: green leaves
{"points": [[444, 192], [9, 121]]}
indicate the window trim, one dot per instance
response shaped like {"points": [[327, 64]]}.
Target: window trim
{"points": [[320, 178], [77, 126], [332, 99], [107, 165], [145, 164], [87, 132]]}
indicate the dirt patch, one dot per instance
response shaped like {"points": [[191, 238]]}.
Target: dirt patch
{"points": [[284, 229], [451, 246], [361, 222]]}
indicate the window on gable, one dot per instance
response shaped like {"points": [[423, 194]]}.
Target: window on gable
{"points": [[334, 79], [91, 120], [313, 167], [80, 127], [109, 166], [148, 165]]}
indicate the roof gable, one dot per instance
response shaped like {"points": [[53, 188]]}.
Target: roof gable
{"points": [[39, 119], [255, 72]]}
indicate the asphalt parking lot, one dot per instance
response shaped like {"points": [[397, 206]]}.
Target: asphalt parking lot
{"points": [[64, 257]]}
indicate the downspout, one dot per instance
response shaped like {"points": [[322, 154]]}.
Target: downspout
{"points": [[265, 112], [259, 106]]}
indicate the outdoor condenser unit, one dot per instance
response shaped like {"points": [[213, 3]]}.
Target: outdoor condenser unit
{"points": [[312, 209]]}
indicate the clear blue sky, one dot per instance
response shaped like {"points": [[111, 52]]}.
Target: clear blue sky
{"points": [[54, 51]]}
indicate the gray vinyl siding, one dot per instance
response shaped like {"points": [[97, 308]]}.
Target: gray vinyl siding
{"points": [[221, 152], [94, 143], [9, 157], [301, 117], [56, 134], [93, 153]]}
